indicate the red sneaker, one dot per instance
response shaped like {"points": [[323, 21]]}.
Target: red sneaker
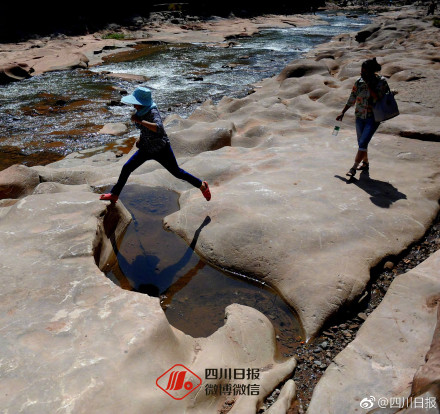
{"points": [[206, 193], [109, 197]]}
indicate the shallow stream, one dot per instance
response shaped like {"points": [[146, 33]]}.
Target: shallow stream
{"points": [[44, 118]]}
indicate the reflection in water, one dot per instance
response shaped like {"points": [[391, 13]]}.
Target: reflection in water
{"points": [[193, 294]]}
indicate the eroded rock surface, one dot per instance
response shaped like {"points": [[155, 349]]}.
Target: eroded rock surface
{"points": [[13, 72], [388, 350], [282, 211], [72, 341], [17, 181]]}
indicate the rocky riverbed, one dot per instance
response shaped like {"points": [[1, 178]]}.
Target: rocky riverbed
{"points": [[21, 60], [283, 212], [315, 357]]}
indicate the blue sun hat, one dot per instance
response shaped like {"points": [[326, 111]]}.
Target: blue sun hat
{"points": [[140, 96]]}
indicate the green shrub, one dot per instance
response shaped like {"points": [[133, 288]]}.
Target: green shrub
{"points": [[116, 36], [436, 23]]}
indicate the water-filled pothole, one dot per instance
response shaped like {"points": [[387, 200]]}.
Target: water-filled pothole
{"points": [[193, 294]]}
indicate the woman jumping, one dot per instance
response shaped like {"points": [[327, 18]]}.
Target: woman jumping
{"points": [[153, 144]]}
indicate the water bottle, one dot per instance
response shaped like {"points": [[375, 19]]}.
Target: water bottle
{"points": [[337, 128]]}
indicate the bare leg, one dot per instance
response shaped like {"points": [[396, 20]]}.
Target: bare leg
{"points": [[360, 156], [365, 157]]}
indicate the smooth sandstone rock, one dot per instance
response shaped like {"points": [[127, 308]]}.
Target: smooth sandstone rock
{"points": [[426, 380], [302, 68], [17, 180], [75, 342], [284, 400], [389, 348], [14, 72], [116, 129], [282, 210], [201, 137], [51, 187]]}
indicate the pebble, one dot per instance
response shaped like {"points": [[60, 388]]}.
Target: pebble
{"points": [[388, 265], [362, 316], [114, 102], [324, 345]]}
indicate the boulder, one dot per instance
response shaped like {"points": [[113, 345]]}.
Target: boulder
{"points": [[366, 32], [116, 129], [14, 72], [18, 181], [61, 58]]}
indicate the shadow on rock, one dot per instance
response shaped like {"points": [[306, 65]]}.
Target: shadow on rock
{"points": [[154, 283], [382, 194]]}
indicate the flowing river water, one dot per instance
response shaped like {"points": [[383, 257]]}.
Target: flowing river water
{"points": [[44, 118]]}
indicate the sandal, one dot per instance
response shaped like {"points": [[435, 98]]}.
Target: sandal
{"points": [[206, 193], [109, 197], [365, 166], [351, 172]]}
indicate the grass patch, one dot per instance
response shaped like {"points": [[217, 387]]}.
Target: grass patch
{"points": [[436, 23], [115, 36]]}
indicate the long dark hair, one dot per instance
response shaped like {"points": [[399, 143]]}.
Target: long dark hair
{"points": [[371, 66]]}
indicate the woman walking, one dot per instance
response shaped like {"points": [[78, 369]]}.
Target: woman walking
{"points": [[367, 90], [153, 144]]}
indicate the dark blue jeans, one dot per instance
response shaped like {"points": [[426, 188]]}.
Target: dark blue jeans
{"points": [[165, 157], [365, 129]]}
